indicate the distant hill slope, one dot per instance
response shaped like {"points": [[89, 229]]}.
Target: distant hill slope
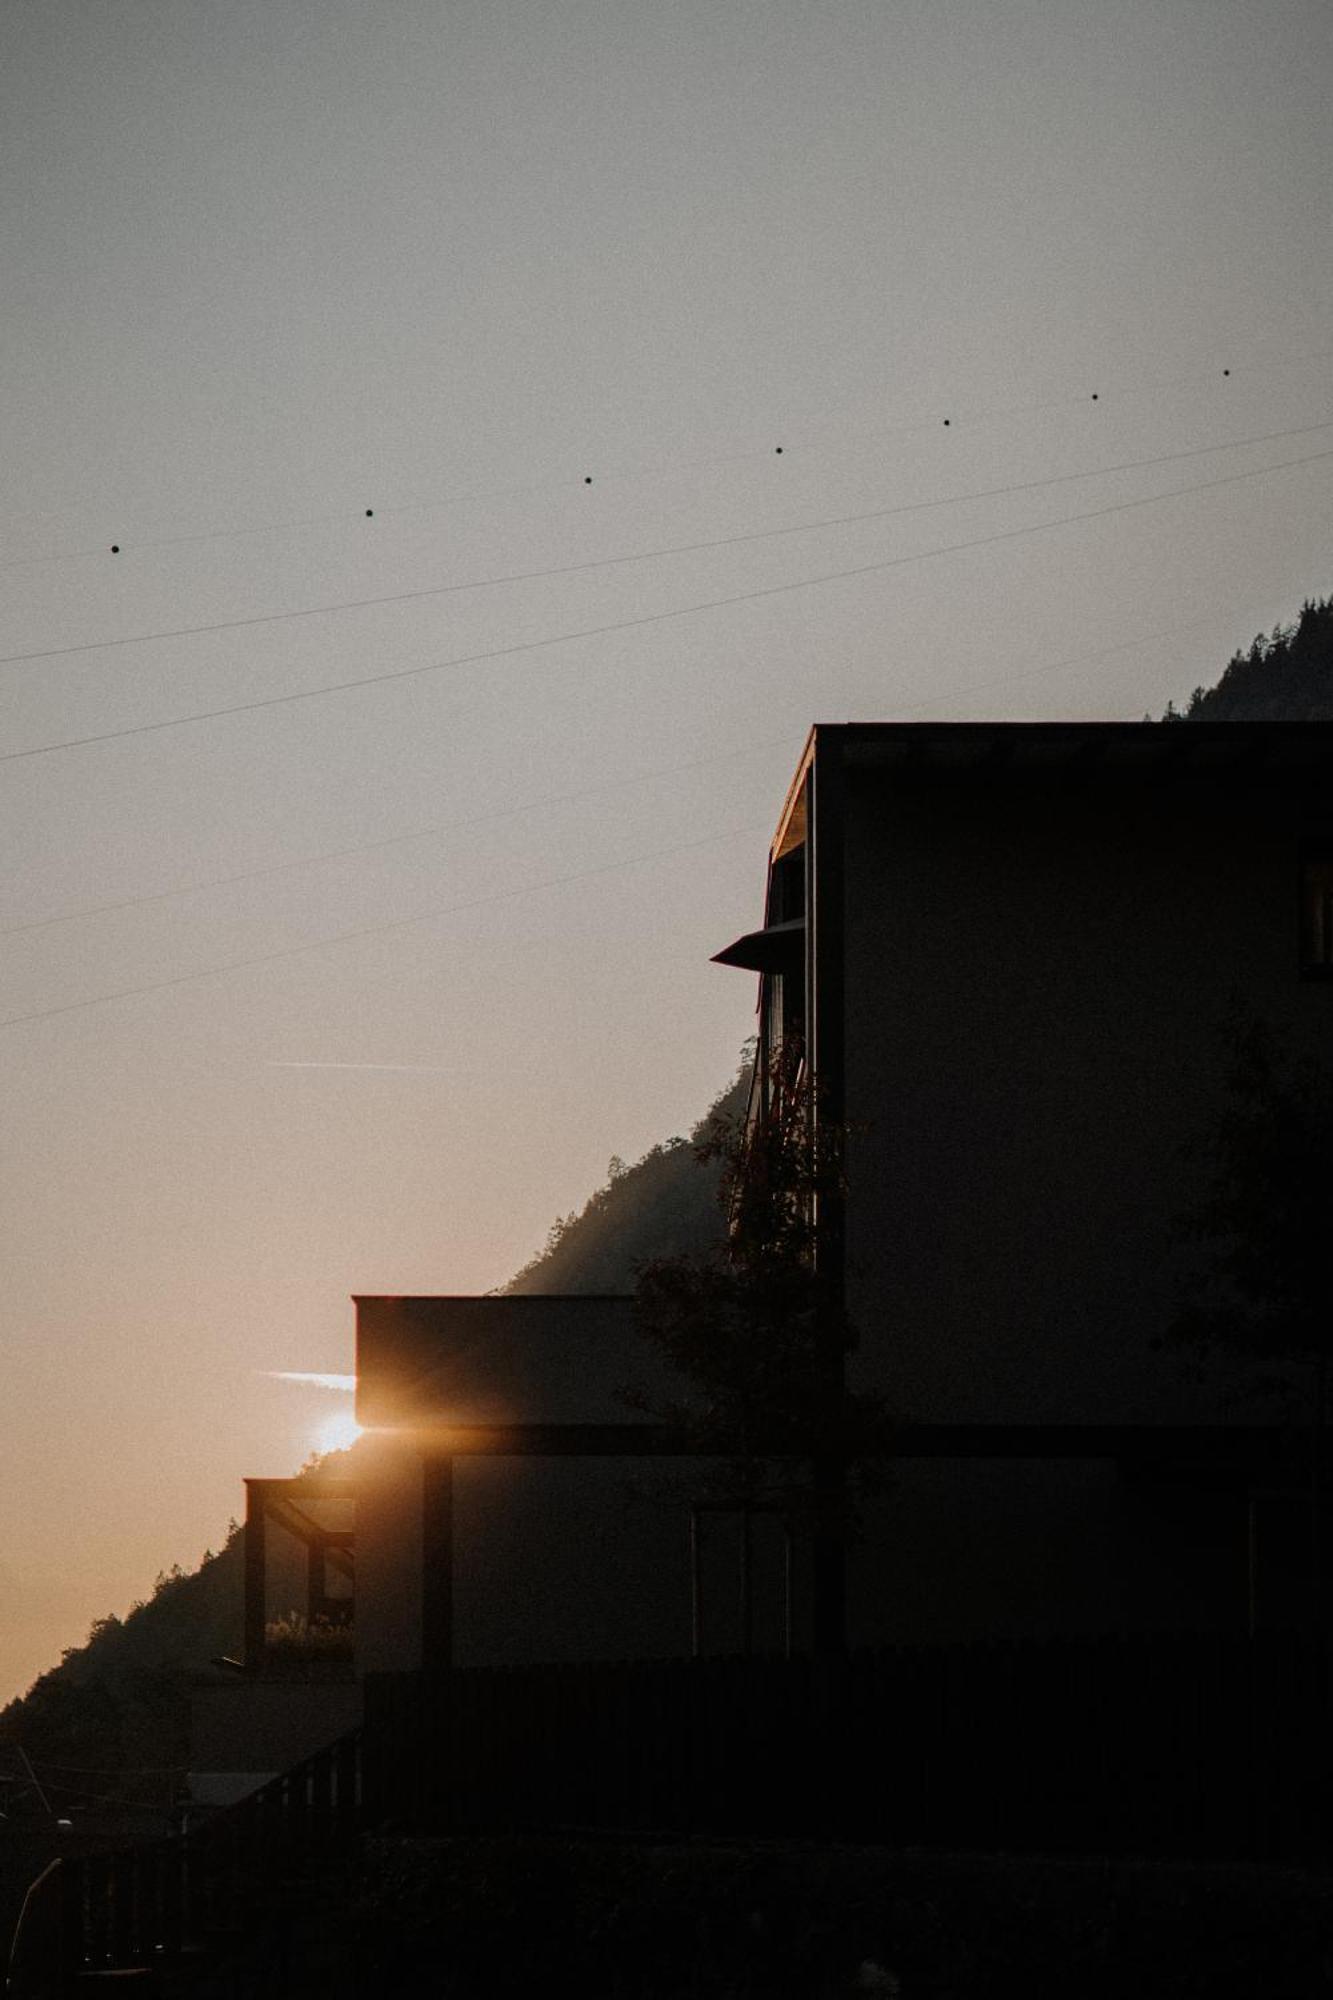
{"points": [[1286, 677], [120, 1702], [662, 1206], [116, 1702]]}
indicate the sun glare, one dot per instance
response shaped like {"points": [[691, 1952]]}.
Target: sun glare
{"points": [[337, 1432]]}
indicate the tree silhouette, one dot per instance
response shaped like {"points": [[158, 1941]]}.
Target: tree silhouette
{"points": [[753, 1333], [1261, 1299], [1284, 676]]}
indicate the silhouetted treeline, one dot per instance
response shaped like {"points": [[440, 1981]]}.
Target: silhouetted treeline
{"points": [[1286, 677], [665, 1205], [120, 1701]]}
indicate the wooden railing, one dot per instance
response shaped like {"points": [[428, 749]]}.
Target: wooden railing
{"points": [[163, 1902], [1207, 1746], [1202, 1746]]}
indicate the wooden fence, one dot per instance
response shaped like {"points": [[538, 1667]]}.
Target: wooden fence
{"points": [[1200, 1747], [168, 1902], [1157, 1745]]}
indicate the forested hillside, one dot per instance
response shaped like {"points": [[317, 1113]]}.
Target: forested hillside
{"points": [[1286, 677], [662, 1206], [119, 1702]]}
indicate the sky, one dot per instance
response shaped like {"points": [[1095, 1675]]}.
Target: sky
{"points": [[319, 312]]}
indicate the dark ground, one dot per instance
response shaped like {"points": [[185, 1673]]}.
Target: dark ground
{"points": [[528, 1918], [491, 1919]]}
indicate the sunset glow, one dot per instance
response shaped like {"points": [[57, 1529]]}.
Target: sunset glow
{"points": [[337, 1432]]}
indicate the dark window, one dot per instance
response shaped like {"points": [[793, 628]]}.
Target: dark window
{"points": [[1317, 910], [786, 890]]}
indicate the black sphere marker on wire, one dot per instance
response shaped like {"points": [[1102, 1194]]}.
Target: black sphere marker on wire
{"points": [[1094, 396], [778, 449], [587, 479], [370, 513], [1226, 371], [115, 548]]}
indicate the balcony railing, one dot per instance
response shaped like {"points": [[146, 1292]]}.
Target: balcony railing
{"points": [[166, 1903]]}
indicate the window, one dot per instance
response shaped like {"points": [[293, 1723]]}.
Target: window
{"points": [[1317, 910]]}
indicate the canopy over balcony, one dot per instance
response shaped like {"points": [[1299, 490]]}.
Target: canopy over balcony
{"points": [[777, 948]]}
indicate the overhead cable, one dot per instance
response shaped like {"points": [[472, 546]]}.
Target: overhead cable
{"points": [[379, 930], [729, 756], [520, 647], [650, 555]]}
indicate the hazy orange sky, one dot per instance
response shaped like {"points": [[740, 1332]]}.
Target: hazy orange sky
{"points": [[269, 265]]}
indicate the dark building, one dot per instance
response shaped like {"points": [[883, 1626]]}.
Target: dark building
{"points": [[995, 966], [1007, 954]]}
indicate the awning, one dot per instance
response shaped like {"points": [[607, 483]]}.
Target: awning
{"points": [[779, 948]]}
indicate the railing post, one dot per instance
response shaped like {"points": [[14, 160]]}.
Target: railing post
{"points": [[295, 1833], [696, 1588], [347, 1774], [747, 1581], [97, 1931], [170, 1912], [256, 1573], [321, 1798], [72, 1881], [122, 1940]]}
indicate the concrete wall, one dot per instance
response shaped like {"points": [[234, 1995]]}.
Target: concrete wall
{"points": [[984, 1548], [553, 1558], [1035, 977], [560, 1559], [531, 1359], [388, 1555]]}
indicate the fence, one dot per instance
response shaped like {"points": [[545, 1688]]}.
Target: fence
{"points": [[1205, 1746], [166, 1902]]}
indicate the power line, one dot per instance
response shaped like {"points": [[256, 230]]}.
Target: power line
{"points": [[415, 595], [1055, 666], [752, 749], [344, 516], [645, 619], [399, 839], [377, 930], [36, 1782]]}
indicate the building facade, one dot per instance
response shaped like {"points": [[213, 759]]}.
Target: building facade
{"points": [[1004, 958], [1008, 955]]}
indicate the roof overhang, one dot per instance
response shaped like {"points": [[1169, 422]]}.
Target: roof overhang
{"points": [[791, 828], [500, 1363], [777, 948]]}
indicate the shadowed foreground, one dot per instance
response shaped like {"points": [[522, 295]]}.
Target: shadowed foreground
{"points": [[477, 1919]]}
